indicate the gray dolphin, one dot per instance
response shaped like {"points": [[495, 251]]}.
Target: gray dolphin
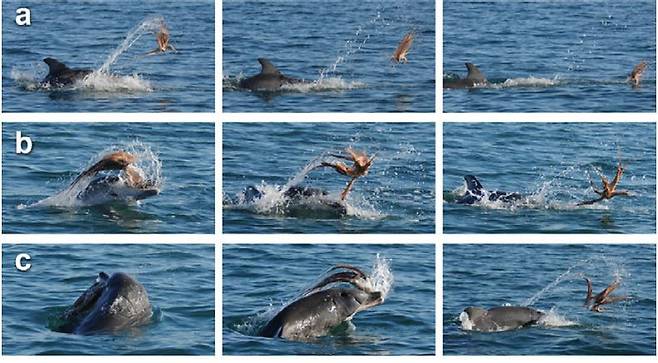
{"points": [[474, 78], [297, 196], [112, 303], [475, 193], [60, 75], [314, 315], [269, 78], [111, 188], [499, 318]]}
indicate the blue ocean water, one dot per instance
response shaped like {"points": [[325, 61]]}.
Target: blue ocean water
{"points": [[86, 34], [550, 277], [551, 56], [179, 279], [180, 156], [343, 46], [258, 280], [396, 196], [551, 165]]}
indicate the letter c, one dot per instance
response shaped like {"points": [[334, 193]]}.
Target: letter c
{"points": [[19, 262]]}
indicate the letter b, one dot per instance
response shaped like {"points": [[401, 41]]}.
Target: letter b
{"points": [[20, 140]]}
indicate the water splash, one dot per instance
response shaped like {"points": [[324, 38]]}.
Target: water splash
{"points": [[149, 25], [382, 276]]}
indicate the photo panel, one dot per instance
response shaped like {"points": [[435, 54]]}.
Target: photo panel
{"points": [[549, 299], [549, 56], [544, 177], [330, 56], [108, 299], [108, 177], [328, 299], [328, 177], [108, 56]]}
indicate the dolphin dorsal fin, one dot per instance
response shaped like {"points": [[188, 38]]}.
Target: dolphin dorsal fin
{"points": [[268, 67], [55, 66], [472, 184], [474, 73]]}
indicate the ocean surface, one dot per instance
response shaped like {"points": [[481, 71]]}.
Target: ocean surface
{"points": [[342, 48], [259, 280], [550, 278], [551, 165], [551, 56], [396, 196], [178, 157], [116, 35], [179, 280]]}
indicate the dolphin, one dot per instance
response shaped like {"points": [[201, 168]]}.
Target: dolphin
{"points": [[475, 193], [297, 195], [474, 78], [110, 188], [111, 304], [269, 78], [316, 314], [60, 75], [499, 318]]}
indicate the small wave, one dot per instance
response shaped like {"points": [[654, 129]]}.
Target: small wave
{"points": [[527, 82], [232, 83]]}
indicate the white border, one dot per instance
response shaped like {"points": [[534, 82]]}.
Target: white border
{"points": [[438, 237]]}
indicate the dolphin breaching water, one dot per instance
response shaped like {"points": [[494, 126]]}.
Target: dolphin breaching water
{"points": [[97, 185], [473, 79], [476, 193], [59, 75], [500, 318], [319, 309], [111, 304], [269, 78]]}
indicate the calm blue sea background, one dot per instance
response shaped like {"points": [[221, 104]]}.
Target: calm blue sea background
{"points": [[82, 34], [488, 275], [179, 279], [352, 41], [63, 150], [259, 279], [551, 164], [585, 47], [397, 195]]}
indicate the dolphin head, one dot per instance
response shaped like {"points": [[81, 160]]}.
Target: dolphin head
{"points": [[353, 300], [107, 189]]}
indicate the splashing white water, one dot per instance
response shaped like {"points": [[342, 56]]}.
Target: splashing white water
{"points": [[381, 276], [147, 26]]}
